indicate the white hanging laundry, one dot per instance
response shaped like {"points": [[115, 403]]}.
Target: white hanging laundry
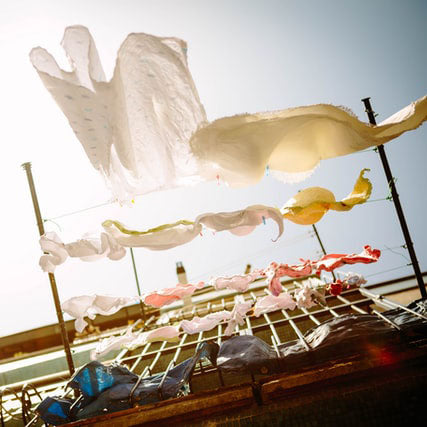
{"points": [[269, 303], [87, 249], [206, 323], [146, 129], [132, 340], [91, 305], [134, 128], [238, 315], [241, 222], [160, 238], [238, 282], [291, 142]]}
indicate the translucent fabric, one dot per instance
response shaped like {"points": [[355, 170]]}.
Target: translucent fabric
{"points": [[91, 305], [146, 129], [308, 206], [134, 128]]}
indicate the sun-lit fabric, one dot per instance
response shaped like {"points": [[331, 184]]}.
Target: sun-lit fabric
{"points": [[237, 282], [202, 324], [241, 222], [238, 315], [91, 305], [332, 261], [291, 142], [134, 128], [169, 295], [269, 303], [308, 206], [166, 236], [87, 249], [134, 340], [146, 129]]}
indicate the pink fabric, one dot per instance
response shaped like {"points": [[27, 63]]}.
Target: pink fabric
{"points": [[274, 271], [333, 261], [238, 282], [238, 315], [169, 295], [308, 296], [206, 323], [284, 301]]}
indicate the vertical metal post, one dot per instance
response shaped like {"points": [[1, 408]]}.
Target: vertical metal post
{"points": [[64, 336], [397, 205], [141, 305], [322, 247]]}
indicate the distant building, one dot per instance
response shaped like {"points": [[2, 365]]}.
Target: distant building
{"points": [[361, 388]]}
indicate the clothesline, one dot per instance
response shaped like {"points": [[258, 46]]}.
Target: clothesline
{"points": [[390, 269], [305, 208], [307, 295]]}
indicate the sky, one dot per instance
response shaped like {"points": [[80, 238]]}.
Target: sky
{"points": [[244, 56]]}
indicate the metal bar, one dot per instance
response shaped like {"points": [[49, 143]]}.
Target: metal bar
{"points": [[171, 364], [273, 329], [354, 307], [141, 305], [390, 304], [386, 319], [296, 329], [397, 205], [64, 335], [322, 247]]}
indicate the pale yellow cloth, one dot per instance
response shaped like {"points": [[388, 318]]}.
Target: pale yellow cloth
{"points": [[309, 205]]}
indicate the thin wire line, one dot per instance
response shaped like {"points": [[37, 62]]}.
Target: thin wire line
{"points": [[79, 211], [390, 269]]}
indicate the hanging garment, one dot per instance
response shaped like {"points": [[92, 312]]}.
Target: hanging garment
{"points": [[275, 271], [291, 142], [206, 323], [269, 303], [87, 249], [241, 222], [91, 305], [166, 236], [136, 127], [146, 130], [333, 261], [238, 282], [238, 315], [169, 295], [354, 279], [308, 206], [308, 296], [132, 340]]}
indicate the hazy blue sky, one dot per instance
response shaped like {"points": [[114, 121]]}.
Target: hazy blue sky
{"points": [[245, 56]]}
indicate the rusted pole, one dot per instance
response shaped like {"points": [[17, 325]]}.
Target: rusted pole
{"points": [[141, 304], [397, 205], [64, 336], [322, 247]]}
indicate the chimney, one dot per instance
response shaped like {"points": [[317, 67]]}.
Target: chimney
{"points": [[182, 278]]}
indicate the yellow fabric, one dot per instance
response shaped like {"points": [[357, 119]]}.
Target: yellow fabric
{"points": [[123, 229], [308, 206]]}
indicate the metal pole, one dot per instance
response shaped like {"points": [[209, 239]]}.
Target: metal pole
{"points": [[322, 247], [141, 305], [64, 336], [397, 205]]}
